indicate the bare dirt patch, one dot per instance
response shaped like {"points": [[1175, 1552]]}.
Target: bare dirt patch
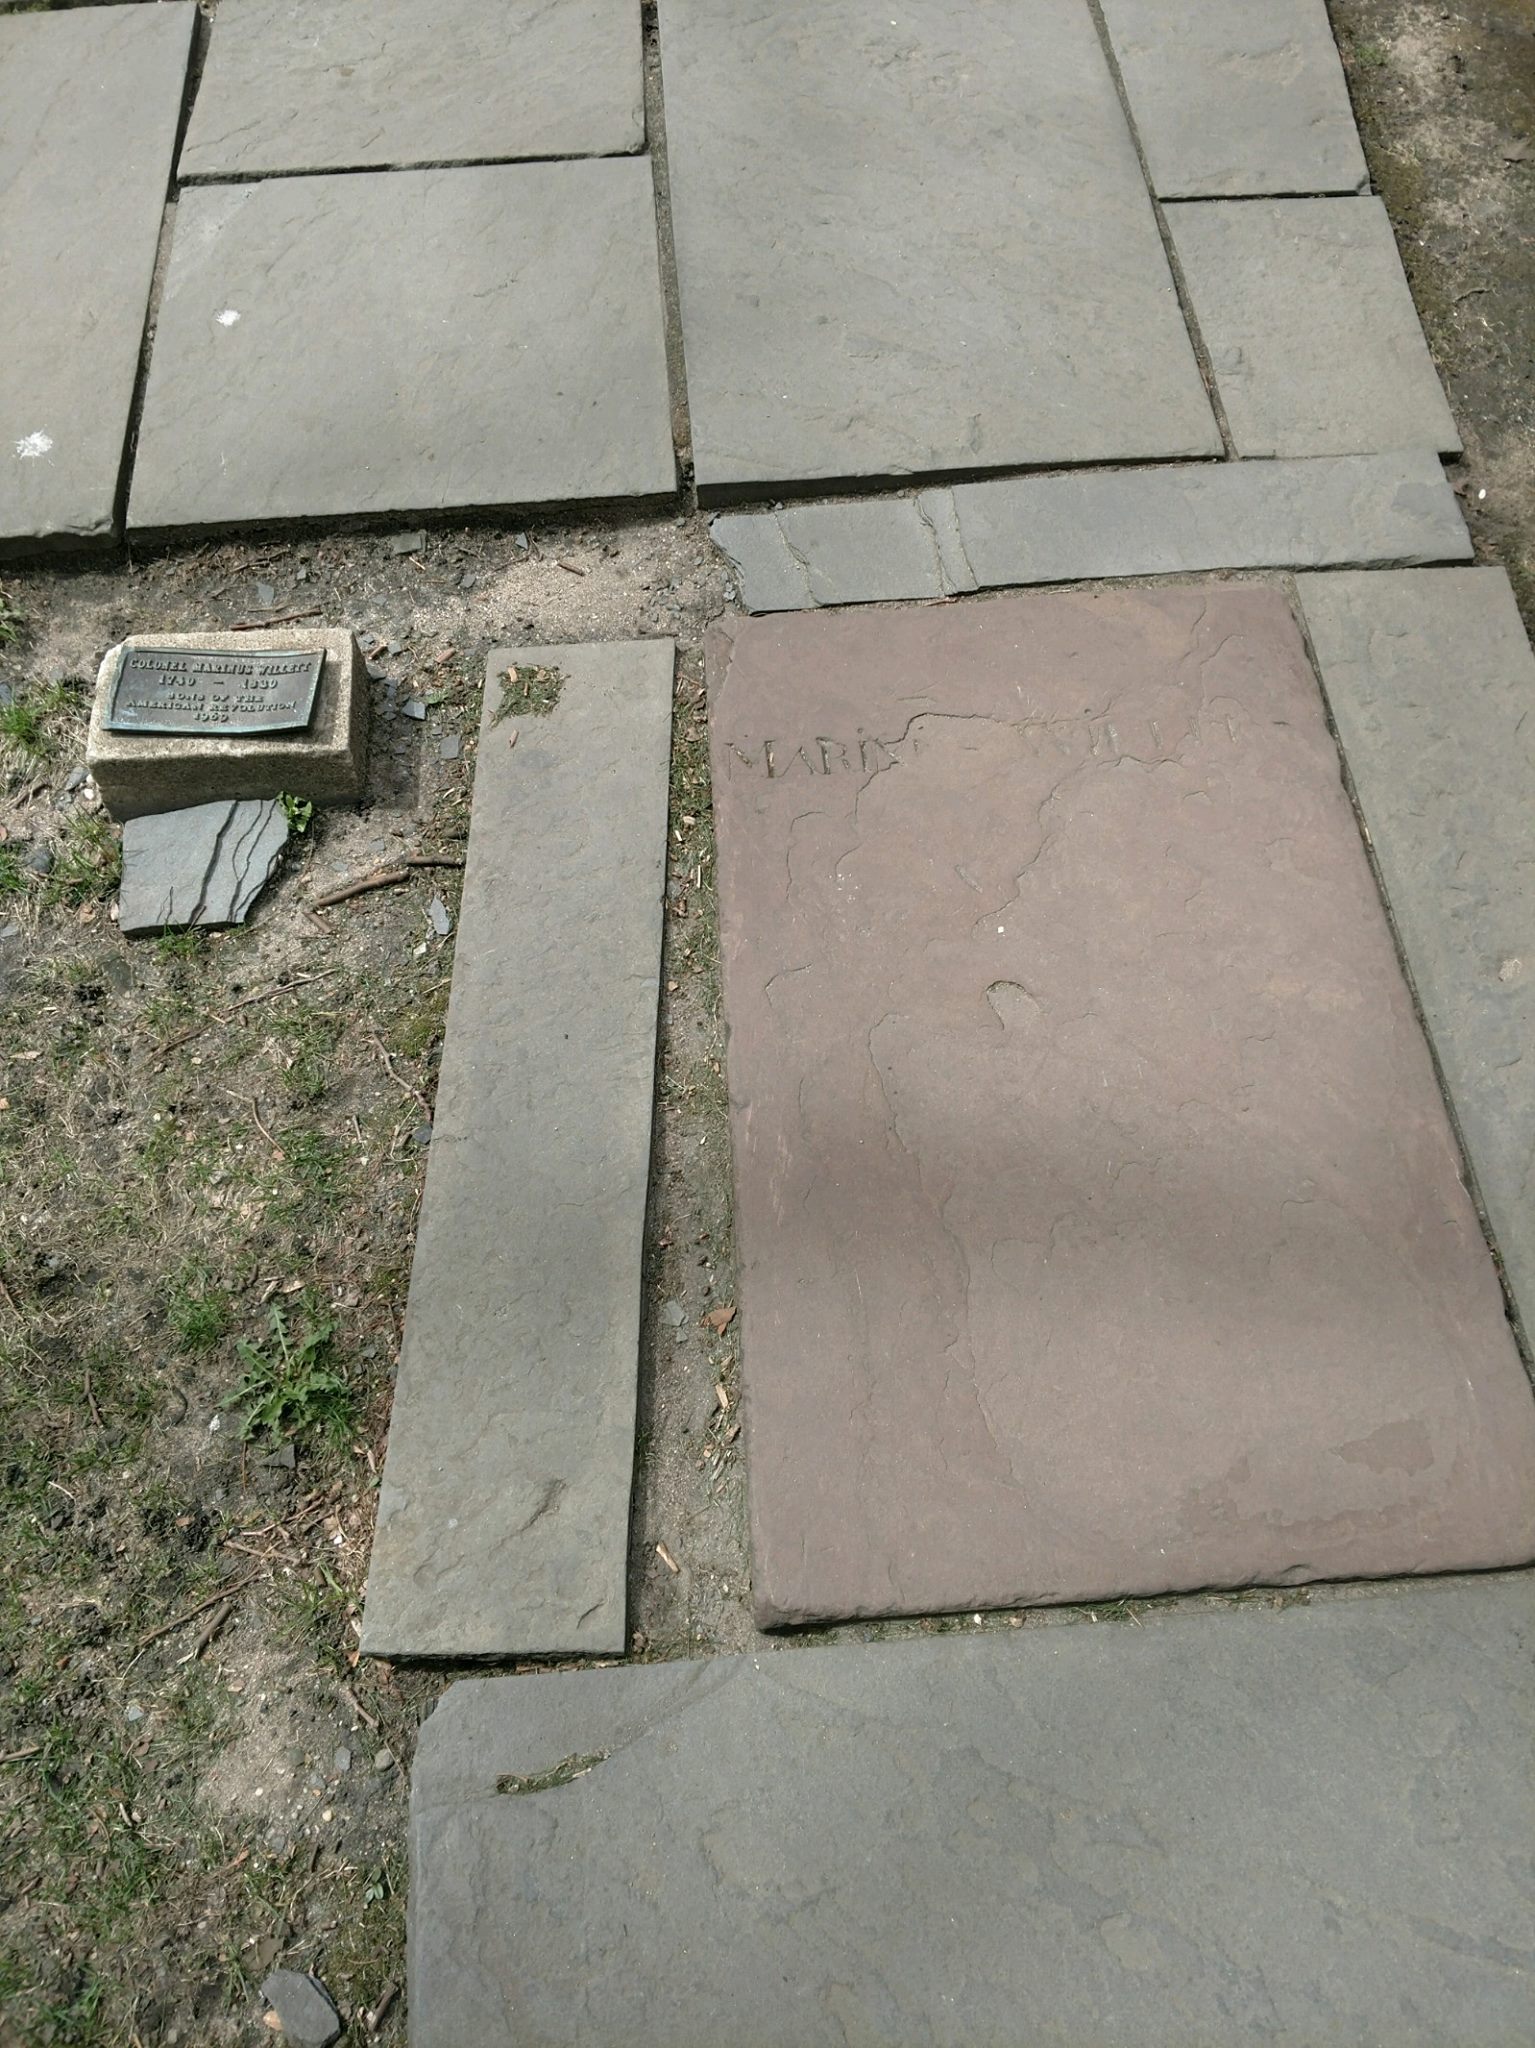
{"points": [[1445, 95]]}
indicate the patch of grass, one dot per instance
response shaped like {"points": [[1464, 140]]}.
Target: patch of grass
{"points": [[415, 1030], [531, 689], [290, 1386], [1371, 56], [316, 1180], [27, 722], [88, 862], [309, 1039], [198, 1312], [11, 620], [13, 878]]}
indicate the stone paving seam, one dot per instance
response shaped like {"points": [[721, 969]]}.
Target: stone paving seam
{"points": [[1169, 247], [503, 1517]]}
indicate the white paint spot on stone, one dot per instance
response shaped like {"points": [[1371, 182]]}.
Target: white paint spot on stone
{"points": [[33, 446], [227, 318]]}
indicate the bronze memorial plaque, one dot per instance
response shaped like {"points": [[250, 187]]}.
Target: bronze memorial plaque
{"points": [[187, 690]]}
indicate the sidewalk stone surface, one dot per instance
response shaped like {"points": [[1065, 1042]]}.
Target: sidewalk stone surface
{"points": [[407, 341], [1432, 687], [916, 245], [1310, 327], [328, 85], [503, 1522], [205, 865], [1099, 1218], [1076, 525], [1238, 99], [89, 102], [1303, 1827]]}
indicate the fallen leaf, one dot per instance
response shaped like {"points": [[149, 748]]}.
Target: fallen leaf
{"points": [[722, 1397], [720, 1319]]}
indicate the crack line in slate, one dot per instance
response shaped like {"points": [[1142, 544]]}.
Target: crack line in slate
{"points": [[799, 560]]}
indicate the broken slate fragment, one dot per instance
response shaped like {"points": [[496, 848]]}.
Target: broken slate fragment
{"points": [[205, 865], [304, 2008], [407, 543], [441, 917], [414, 707], [450, 746]]}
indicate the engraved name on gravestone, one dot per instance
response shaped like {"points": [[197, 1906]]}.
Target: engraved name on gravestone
{"points": [[188, 690]]}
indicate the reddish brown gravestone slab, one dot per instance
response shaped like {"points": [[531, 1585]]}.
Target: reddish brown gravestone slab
{"points": [[1099, 1219]]}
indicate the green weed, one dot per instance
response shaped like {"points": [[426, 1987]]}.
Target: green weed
{"points": [[299, 812], [290, 1386]]}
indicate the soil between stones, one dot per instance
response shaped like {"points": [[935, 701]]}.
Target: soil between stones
{"points": [[176, 1818]]}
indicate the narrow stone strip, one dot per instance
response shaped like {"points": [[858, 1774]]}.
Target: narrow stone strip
{"points": [[1076, 525], [503, 1519], [1298, 1826], [1432, 687]]}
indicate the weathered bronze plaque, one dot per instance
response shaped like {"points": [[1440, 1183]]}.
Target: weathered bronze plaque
{"points": [[184, 690]]}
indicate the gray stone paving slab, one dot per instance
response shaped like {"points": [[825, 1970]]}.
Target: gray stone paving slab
{"points": [[1308, 1827], [1310, 327], [914, 245], [89, 103], [1432, 688], [407, 341], [1241, 98], [330, 85], [1099, 1220], [503, 1522], [205, 865], [1165, 519]]}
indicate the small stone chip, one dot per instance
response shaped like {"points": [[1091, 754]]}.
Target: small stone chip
{"points": [[408, 543], [441, 917], [304, 2009]]}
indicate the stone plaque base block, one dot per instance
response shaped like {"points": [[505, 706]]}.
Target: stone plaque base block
{"points": [[1100, 1221], [1299, 1827], [140, 772]]}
